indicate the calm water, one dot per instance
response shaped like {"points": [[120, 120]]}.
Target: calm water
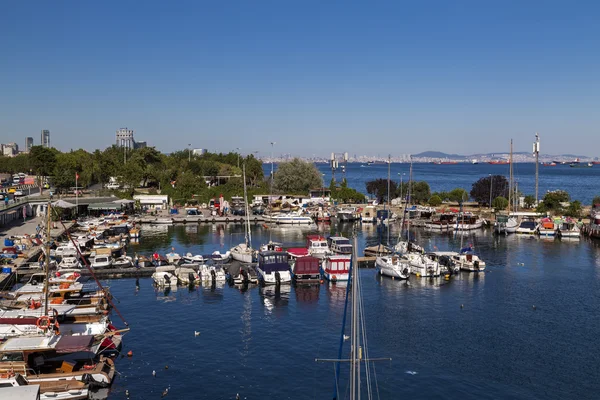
{"points": [[581, 183], [262, 343]]}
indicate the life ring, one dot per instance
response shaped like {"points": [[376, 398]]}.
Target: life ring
{"points": [[89, 367], [43, 322]]}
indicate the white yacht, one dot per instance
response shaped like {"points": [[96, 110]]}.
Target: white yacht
{"points": [[242, 253], [467, 261], [569, 229], [423, 266], [505, 224], [339, 245], [69, 263], [186, 276], [291, 218], [273, 268], [394, 266], [317, 246], [468, 222], [527, 227], [102, 261]]}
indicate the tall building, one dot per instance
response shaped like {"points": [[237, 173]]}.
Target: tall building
{"points": [[45, 138], [125, 139], [10, 149], [28, 144]]}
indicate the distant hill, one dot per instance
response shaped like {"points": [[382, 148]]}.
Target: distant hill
{"points": [[438, 154]]}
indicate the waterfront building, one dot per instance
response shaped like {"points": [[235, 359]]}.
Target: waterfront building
{"points": [[125, 139], [199, 152], [152, 201], [28, 144], [45, 138]]}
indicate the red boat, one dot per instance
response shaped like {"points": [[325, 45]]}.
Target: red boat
{"points": [[498, 162], [306, 270], [549, 164]]}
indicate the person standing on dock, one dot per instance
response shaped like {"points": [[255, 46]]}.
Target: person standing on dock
{"points": [[136, 260]]}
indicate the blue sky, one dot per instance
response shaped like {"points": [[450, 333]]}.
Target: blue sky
{"points": [[316, 77]]}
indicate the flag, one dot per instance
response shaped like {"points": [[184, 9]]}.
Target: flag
{"points": [[76, 175]]}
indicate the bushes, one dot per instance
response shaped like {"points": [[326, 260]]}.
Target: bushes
{"points": [[435, 201]]}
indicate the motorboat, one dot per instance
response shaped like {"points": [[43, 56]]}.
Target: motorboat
{"points": [[527, 227], [505, 224], [569, 229], [395, 266], [135, 233], [241, 274], [102, 261], [272, 246], [221, 257], [380, 249], [69, 263], [547, 227], [242, 253], [468, 222], [211, 272], [123, 262], [442, 222], [306, 269], [273, 268], [322, 215], [165, 276], [173, 258], [336, 267], [339, 245], [368, 214], [347, 214], [445, 259], [317, 246], [186, 276], [423, 266], [190, 258], [467, 261], [291, 218], [403, 247]]}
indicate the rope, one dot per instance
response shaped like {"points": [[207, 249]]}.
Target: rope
{"points": [[87, 265]]}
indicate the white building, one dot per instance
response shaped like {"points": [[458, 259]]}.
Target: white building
{"points": [[199, 152], [152, 201], [10, 149], [125, 138]]}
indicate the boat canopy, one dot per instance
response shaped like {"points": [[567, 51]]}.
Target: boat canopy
{"points": [[72, 344], [271, 261], [306, 265]]}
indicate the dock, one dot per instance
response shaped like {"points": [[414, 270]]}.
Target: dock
{"points": [[200, 219]]}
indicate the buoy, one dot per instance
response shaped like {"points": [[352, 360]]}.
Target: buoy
{"points": [[127, 393], [534, 306], [153, 373], [418, 275], [130, 353], [166, 367], [462, 306]]}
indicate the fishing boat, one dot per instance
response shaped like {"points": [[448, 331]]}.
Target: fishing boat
{"points": [[102, 261], [339, 245], [336, 267], [468, 222], [61, 390], [69, 263], [317, 246], [123, 262], [210, 272], [394, 266], [273, 268], [165, 276], [505, 224], [569, 229], [323, 215], [547, 227], [578, 164], [441, 222], [347, 214], [306, 269]]}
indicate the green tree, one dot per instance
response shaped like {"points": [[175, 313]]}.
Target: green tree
{"points": [[435, 201], [596, 200], [574, 209], [444, 196], [552, 201], [296, 177], [529, 201], [42, 160], [480, 191], [188, 185], [458, 195], [420, 192], [500, 203], [131, 177], [379, 189]]}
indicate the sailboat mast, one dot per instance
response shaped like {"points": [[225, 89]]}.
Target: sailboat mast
{"points": [[510, 180], [47, 250], [248, 234], [388, 199], [354, 360]]}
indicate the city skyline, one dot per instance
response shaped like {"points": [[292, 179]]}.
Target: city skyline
{"points": [[316, 78]]}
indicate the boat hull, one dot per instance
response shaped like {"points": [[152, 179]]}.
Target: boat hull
{"points": [[392, 270], [271, 278]]}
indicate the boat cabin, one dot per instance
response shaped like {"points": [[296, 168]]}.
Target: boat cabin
{"points": [[337, 267], [272, 261], [339, 245], [306, 269], [316, 243]]}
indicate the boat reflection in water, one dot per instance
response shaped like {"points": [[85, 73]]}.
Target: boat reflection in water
{"points": [[212, 291], [166, 294], [307, 295], [336, 292], [274, 296]]}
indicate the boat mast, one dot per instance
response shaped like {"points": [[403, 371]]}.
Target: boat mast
{"points": [[536, 152], [410, 171], [388, 200], [510, 180], [355, 333], [248, 234], [47, 250]]}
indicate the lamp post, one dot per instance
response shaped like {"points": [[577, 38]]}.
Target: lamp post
{"points": [[238, 154], [189, 152], [323, 189], [491, 180], [272, 145]]}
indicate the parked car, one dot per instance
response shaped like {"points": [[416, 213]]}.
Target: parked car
{"points": [[18, 193], [112, 186]]}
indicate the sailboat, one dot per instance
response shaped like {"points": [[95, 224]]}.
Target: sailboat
{"points": [[506, 223], [243, 252], [393, 265]]}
